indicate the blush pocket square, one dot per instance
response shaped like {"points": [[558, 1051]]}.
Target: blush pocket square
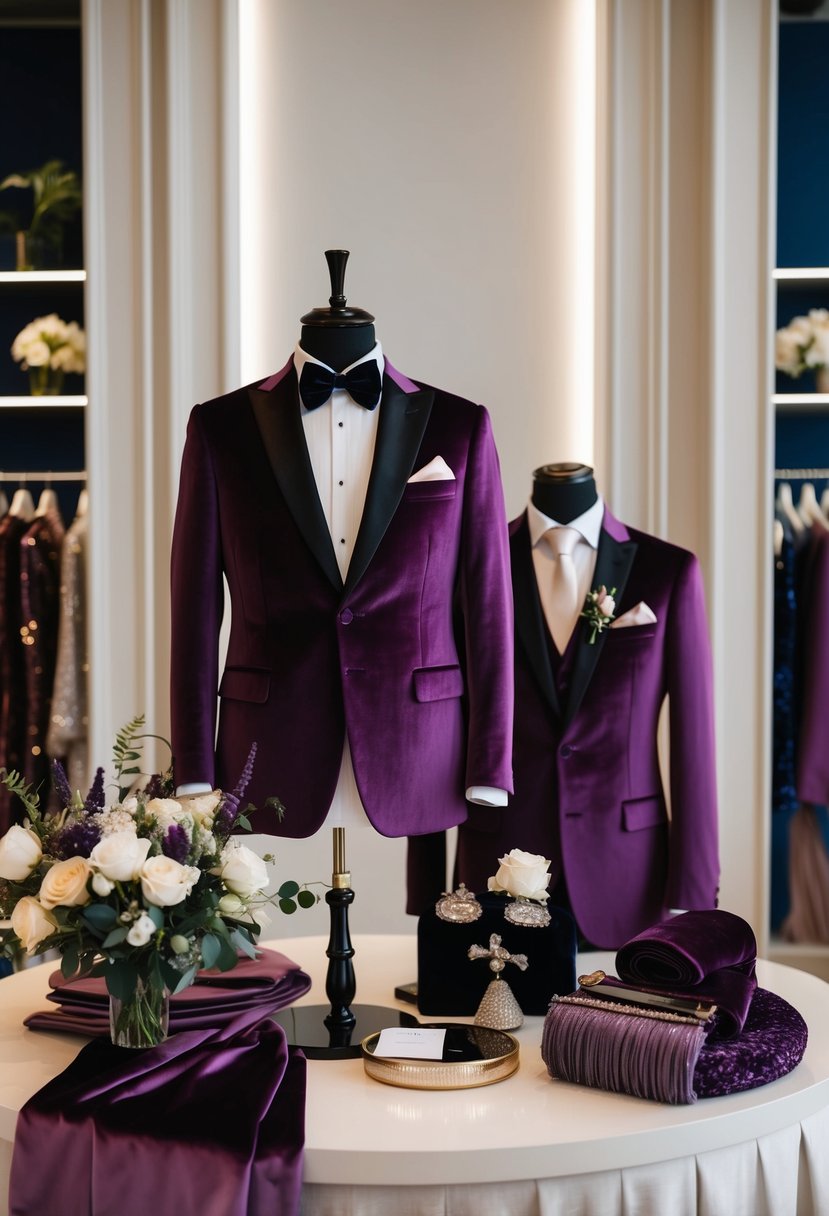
{"points": [[435, 470], [640, 614]]}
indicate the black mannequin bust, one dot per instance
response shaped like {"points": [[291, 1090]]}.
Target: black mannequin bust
{"points": [[564, 491], [338, 335]]}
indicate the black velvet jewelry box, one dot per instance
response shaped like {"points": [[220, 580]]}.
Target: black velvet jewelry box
{"points": [[450, 984]]}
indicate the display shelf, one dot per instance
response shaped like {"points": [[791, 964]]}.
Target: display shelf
{"points": [[800, 401], [42, 403], [25, 277], [799, 275]]}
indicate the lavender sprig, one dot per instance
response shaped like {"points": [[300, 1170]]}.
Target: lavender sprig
{"points": [[76, 840], [95, 799], [238, 791], [176, 843], [227, 814], [61, 783]]}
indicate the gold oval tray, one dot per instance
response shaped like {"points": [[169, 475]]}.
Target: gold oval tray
{"points": [[488, 1056]]}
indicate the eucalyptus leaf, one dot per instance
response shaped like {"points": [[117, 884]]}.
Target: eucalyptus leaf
{"points": [[99, 916], [307, 899], [243, 943], [69, 962], [115, 937], [156, 916], [288, 889], [121, 978], [186, 979], [228, 956], [287, 906], [211, 947]]}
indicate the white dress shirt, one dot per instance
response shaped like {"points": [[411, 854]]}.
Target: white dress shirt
{"points": [[588, 526]]}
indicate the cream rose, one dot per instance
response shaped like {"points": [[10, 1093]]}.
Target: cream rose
{"points": [[606, 606], [522, 874], [20, 852], [32, 923], [66, 883], [242, 871], [120, 856], [203, 807], [166, 882]]}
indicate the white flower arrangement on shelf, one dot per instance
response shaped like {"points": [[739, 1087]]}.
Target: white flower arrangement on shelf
{"points": [[803, 344], [47, 348]]}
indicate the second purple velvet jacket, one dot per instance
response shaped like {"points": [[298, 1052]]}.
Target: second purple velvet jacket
{"points": [[588, 789], [412, 654]]}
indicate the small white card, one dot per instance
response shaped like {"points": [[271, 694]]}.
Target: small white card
{"points": [[410, 1043]]}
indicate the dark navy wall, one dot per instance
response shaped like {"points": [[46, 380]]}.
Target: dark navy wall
{"points": [[803, 144]]}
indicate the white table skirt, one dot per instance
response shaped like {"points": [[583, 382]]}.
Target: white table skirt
{"points": [[782, 1174]]}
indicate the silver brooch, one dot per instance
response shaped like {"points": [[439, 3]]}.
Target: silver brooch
{"points": [[460, 907]]}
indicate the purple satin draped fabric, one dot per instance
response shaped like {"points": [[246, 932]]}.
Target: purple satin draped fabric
{"points": [[710, 954], [209, 1122]]}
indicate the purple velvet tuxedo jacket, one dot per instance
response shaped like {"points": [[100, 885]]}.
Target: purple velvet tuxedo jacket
{"points": [[311, 656], [588, 792]]}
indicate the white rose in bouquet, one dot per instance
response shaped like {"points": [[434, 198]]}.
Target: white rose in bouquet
{"points": [[32, 923], [120, 856], [242, 871], [20, 852], [522, 875], [166, 882]]}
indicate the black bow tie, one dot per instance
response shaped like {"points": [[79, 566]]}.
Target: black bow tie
{"points": [[362, 383]]}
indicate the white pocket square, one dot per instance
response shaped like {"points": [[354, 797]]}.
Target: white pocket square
{"points": [[640, 614], [435, 470]]}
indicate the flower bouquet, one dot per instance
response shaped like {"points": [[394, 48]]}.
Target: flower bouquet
{"points": [[47, 348], [144, 892], [803, 345]]}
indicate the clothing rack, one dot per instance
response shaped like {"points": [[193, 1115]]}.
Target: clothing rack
{"points": [[800, 474], [22, 478]]}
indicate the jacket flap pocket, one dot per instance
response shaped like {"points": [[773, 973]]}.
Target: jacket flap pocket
{"points": [[246, 684], [437, 683], [641, 813], [633, 633]]}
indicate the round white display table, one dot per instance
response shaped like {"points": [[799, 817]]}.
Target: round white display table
{"points": [[529, 1144]]}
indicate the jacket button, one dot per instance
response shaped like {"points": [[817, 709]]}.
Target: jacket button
{"points": [[565, 752], [346, 616]]}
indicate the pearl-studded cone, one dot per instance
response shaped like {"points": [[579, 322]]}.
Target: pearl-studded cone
{"points": [[499, 1009]]}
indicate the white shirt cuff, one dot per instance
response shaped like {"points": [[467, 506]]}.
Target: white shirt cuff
{"points": [[486, 795], [193, 787]]}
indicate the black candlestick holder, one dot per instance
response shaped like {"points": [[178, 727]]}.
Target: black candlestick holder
{"points": [[336, 1032]]}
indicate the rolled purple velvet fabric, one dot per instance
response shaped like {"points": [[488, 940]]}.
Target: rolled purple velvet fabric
{"points": [[708, 954], [210, 1121]]}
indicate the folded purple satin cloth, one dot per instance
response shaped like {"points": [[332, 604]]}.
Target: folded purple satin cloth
{"points": [[708, 954], [209, 1122], [267, 983]]}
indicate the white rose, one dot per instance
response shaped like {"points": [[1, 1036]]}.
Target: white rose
{"points": [[36, 354], [818, 353], [141, 931], [120, 856], [32, 923], [242, 871], [165, 882], [203, 808], [522, 874], [20, 852], [231, 905], [168, 811], [65, 883]]}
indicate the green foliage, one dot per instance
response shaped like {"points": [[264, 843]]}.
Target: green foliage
{"points": [[56, 197], [15, 784], [124, 753]]}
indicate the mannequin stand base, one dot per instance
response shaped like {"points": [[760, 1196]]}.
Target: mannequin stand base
{"points": [[305, 1027]]}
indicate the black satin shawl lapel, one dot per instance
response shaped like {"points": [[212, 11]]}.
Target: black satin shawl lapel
{"points": [[613, 562], [400, 428], [277, 414], [530, 626]]}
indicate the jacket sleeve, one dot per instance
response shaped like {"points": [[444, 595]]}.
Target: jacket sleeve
{"points": [[486, 605], [693, 867], [197, 607]]}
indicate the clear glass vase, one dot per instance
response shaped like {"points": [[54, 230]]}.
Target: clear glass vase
{"points": [[141, 1021], [45, 381]]}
